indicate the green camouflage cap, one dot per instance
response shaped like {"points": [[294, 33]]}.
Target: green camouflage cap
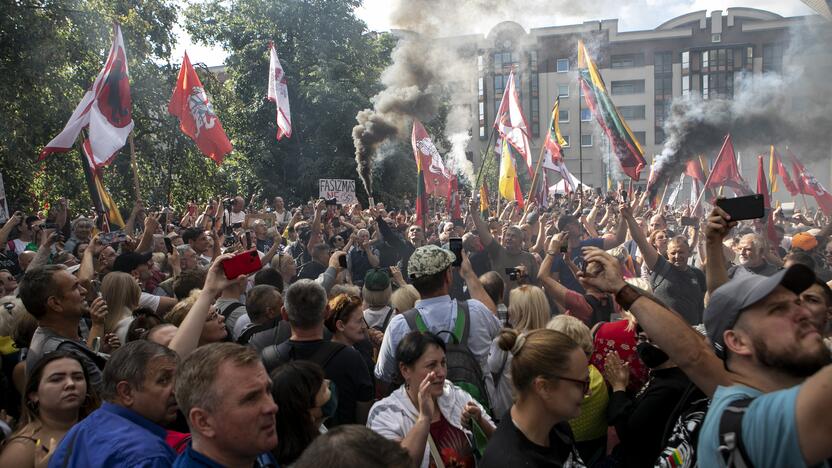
{"points": [[429, 260]]}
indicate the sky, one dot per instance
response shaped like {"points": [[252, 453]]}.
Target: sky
{"points": [[632, 15]]}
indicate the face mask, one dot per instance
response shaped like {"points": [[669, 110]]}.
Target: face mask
{"points": [[328, 409], [652, 356]]}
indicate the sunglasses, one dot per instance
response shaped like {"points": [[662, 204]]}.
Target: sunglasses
{"points": [[583, 383]]}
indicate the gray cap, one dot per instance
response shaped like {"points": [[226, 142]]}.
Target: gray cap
{"points": [[429, 260], [730, 299]]}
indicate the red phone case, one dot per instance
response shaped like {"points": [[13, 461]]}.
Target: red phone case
{"points": [[242, 264]]}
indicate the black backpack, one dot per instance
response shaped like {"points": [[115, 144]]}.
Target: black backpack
{"points": [[463, 369], [275, 355]]}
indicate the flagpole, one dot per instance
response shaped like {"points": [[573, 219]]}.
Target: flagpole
{"points": [[134, 168], [95, 197], [580, 146]]}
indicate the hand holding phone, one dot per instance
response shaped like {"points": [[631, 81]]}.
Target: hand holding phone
{"points": [[455, 244], [740, 208], [243, 263]]}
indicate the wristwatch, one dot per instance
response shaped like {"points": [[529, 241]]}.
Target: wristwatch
{"points": [[626, 296], [551, 252]]}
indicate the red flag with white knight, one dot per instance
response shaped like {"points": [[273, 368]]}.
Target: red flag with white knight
{"points": [[511, 124], [105, 109], [197, 119], [437, 177], [809, 185], [279, 94]]}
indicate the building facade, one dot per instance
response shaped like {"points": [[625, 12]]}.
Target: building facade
{"points": [[697, 53]]}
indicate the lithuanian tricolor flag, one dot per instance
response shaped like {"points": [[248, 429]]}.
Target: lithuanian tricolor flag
{"points": [[625, 145]]}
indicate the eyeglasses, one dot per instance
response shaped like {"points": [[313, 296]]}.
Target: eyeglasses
{"points": [[583, 383], [212, 315]]}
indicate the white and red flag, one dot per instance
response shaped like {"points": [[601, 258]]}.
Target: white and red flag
{"points": [[511, 124], [197, 119], [105, 109], [809, 185], [279, 94], [437, 177]]}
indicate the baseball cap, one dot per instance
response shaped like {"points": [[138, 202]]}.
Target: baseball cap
{"points": [[730, 299], [429, 260], [804, 241], [129, 261], [376, 280]]}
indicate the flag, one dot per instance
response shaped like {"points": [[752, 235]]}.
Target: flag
{"points": [[105, 109], [762, 188], [696, 209], [693, 168], [621, 138], [784, 174], [772, 177], [99, 194], [671, 200], [453, 199], [278, 93], [553, 145], [484, 207], [509, 185], [809, 185], [421, 193], [197, 119], [511, 124], [437, 178], [725, 171]]}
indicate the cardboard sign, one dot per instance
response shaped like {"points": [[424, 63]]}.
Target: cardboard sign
{"points": [[341, 189]]}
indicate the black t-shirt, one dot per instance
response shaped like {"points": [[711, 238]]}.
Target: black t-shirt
{"points": [[350, 375], [681, 290], [311, 271], [509, 447]]}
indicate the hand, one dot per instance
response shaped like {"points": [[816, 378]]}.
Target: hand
{"points": [[396, 274], [625, 209], [48, 238], [616, 371], [110, 343], [424, 398], [470, 413], [173, 256], [608, 279], [97, 246], [375, 337], [151, 223], [465, 268], [557, 241], [98, 311], [719, 225], [320, 205], [334, 262], [15, 219], [216, 281]]}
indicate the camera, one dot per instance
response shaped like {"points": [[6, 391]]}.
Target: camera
{"points": [[512, 273]]}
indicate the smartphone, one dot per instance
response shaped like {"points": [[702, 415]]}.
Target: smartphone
{"points": [[740, 208], [96, 344], [248, 239], [689, 221], [236, 225], [564, 249], [512, 273], [243, 263], [624, 195], [112, 237], [168, 245], [342, 261], [455, 244]]}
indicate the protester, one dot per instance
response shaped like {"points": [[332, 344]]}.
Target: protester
{"points": [[550, 378], [55, 398], [428, 411], [121, 293], [259, 327], [306, 400], [225, 393], [353, 447], [752, 256], [213, 331], [127, 429]]}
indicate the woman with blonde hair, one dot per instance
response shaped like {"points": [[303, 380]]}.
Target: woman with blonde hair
{"points": [[404, 299], [528, 310], [590, 428], [550, 379], [121, 293], [214, 330]]}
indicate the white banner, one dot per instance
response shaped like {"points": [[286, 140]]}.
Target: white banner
{"points": [[341, 189]]}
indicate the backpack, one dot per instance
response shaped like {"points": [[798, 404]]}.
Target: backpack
{"points": [[226, 314], [463, 369], [731, 447], [682, 433], [252, 328], [383, 327], [275, 355]]}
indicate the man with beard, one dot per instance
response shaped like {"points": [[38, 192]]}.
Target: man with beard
{"points": [[770, 365], [678, 285], [225, 394], [127, 429], [751, 257]]}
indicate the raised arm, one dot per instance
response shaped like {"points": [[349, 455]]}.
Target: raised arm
{"points": [[666, 329], [475, 288], [814, 417], [648, 252], [482, 227], [620, 232], [6, 230], [553, 289], [151, 223], [719, 225]]}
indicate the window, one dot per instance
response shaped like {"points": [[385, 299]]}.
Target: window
{"points": [[480, 87], [480, 63], [773, 58], [627, 61], [586, 115], [563, 116], [640, 137], [632, 112], [500, 82], [686, 85], [535, 85], [535, 117], [504, 61], [586, 141], [563, 65], [566, 139], [705, 86], [482, 118], [664, 88], [660, 136], [716, 37], [533, 60], [705, 60], [563, 91], [663, 63], [628, 87], [685, 61]]}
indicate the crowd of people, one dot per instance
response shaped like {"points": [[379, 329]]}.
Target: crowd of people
{"points": [[590, 330]]}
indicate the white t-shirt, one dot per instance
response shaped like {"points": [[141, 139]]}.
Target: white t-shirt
{"points": [[375, 318], [149, 301], [234, 218]]}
